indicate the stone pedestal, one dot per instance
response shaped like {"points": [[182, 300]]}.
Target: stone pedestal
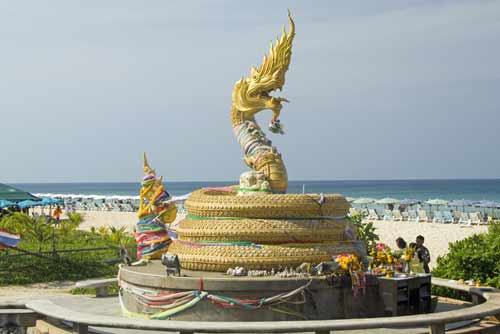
{"points": [[325, 298]]}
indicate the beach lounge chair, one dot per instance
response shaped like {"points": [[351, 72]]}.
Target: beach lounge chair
{"points": [[412, 216], [475, 218], [388, 215], [457, 215], [405, 215], [464, 219], [372, 215], [438, 217], [397, 215], [482, 219], [448, 217], [422, 216]]}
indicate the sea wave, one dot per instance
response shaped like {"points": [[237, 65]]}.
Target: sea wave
{"points": [[85, 196], [102, 197]]}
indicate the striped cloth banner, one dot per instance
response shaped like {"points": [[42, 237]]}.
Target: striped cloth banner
{"points": [[8, 239]]}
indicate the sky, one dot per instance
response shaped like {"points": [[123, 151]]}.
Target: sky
{"points": [[378, 89]]}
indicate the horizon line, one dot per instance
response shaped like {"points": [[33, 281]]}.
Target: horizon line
{"points": [[298, 180]]}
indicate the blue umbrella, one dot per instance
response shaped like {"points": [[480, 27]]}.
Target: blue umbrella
{"points": [[46, 201], [487, 204], [57, 201], [28, 204], [51, 201], [5, 204], [462, 202]]}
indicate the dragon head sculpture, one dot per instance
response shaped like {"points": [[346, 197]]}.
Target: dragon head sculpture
{"points": [[252, 94]]}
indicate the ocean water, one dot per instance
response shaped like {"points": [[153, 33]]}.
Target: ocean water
{"points": [[479, 189]]}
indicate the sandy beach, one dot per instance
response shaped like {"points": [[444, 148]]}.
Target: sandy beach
{"points": [[437, 236]]}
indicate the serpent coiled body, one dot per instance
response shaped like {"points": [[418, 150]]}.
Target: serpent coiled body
{"points": [[261, 231]]}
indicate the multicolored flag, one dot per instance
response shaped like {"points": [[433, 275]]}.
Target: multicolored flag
{"points": [[8, 239]]}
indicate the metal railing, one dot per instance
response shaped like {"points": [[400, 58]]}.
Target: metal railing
{"points": [[487, 299]]}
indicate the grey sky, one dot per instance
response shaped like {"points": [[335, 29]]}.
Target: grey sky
{"points": [[378, 89]]}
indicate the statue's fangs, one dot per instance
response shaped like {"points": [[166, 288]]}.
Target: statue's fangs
{"points": [[252, 95]]}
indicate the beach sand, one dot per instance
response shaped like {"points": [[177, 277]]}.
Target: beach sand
{"points": [[437, 236], [108, 218]]}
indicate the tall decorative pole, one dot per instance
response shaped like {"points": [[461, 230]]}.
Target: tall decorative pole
{"points": [[155, 214]]}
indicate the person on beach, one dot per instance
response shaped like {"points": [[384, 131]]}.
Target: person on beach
{"points": [[401, 243], [401, 247], [57, 214], [423, 253]]}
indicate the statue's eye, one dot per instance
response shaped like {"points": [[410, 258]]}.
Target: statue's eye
{"points": [[256, 77]]}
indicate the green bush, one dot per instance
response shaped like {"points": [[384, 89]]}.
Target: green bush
{"points": [[32, 228], [16, 268], [474, 258]]}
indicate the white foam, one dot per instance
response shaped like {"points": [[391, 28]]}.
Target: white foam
{"points": [[104, 197]]}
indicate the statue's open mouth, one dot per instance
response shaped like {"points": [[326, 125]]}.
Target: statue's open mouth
{"points": [[267, 95]]}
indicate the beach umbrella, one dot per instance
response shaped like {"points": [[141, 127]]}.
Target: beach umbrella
{"points": [[409, 201], [363, 201], [388, 200], [46, 201], [5, 204], [51, 201], [15, 195], [487, 205], [461, 202], [437, 202], [28, 204]]}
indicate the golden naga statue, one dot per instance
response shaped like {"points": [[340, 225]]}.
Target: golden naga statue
{"points": [[267, 229], [250, 96]]}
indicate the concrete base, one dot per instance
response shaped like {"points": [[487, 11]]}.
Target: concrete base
{"points": [[325, 298]]}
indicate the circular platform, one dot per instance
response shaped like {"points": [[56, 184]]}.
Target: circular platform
{"points": [[324, 298]]}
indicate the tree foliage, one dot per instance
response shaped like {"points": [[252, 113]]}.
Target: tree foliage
{"points": [[365, 231]]}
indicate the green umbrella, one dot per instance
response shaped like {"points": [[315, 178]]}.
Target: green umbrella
{"points": [[14, 195], [388, 200], [437, 202], [363, 201]]}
